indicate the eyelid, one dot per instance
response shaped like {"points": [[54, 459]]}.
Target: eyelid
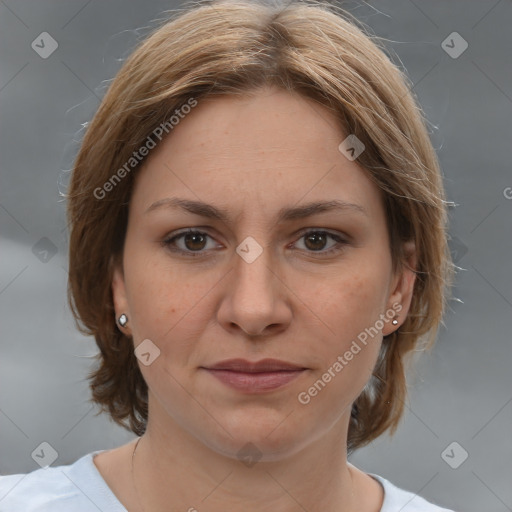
{"points": [[175, 235], [331, 232], [340, 239]]}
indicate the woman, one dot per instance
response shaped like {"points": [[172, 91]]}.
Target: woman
{"points": [[257, 244]]}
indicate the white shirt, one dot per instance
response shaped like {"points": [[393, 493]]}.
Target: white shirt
{"points": [[79, 487]]}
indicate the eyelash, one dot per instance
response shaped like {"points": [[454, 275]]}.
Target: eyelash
{"points": [[168, 242]]}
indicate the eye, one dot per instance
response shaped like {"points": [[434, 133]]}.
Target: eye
{"points": [[316, 240], [193, 242]]}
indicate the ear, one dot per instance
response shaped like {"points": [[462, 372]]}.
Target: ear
{"points": [[402, 288], [120, 297]]}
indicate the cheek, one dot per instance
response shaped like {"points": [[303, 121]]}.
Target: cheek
{"points": [[350, 304], [165, 306], [350, 300], [347, 353], [168, 302], [155, 298]]}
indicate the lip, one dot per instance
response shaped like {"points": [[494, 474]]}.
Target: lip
{"points": [[255, 377], [264, 365]]}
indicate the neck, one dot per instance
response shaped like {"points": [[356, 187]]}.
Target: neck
{"points": [[173, 470]]}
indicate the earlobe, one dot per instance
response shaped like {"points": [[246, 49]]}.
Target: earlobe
{"points": [[403, 289]]}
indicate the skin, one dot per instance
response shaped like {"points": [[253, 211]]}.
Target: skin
{"points": [[252, 156]]}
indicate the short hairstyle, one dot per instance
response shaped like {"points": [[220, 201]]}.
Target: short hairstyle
{"points": [[234, 47]]}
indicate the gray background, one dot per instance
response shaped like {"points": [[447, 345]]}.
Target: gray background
{"points": [[460, 392]]}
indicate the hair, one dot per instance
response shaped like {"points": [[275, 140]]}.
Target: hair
{"points": [[234, 47]]}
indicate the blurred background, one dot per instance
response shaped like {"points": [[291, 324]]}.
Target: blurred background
{"points": [[454, 445]]}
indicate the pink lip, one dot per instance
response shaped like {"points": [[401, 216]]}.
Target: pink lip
{"points": [[254, 377]]}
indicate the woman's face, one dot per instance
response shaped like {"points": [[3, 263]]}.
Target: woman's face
{"points": [[270, 280]]}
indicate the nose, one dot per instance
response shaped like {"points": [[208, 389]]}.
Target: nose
{"points": [[256, 300]]}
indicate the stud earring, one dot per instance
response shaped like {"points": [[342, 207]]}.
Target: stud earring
{"points": [[122, 320], [394, 321]]}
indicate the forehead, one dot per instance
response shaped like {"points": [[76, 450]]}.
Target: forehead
{"points": [[255, 154], [269, 124]]}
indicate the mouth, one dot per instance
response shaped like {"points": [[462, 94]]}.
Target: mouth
{"points": [[255, 377]]}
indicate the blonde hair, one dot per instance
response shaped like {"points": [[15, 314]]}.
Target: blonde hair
{"points": [[232, 48]]}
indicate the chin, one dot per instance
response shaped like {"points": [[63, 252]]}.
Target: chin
{"points": [[260, 434]]}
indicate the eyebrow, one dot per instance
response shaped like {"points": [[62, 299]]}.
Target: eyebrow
{"points": [[284, 214]]}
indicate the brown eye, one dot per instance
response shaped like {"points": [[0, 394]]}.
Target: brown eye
{"points": [[194, 241], [316, 241]]}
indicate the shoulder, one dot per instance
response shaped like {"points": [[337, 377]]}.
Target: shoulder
{"points": [[405, 501], [42, 490], [77, 487]]}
